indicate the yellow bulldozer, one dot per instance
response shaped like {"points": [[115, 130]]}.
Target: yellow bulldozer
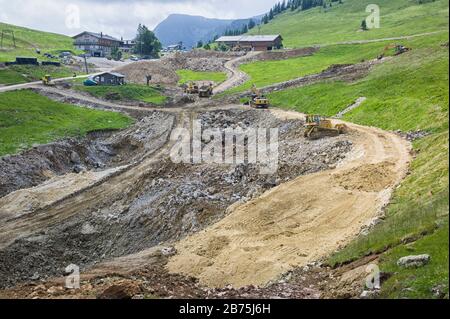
{"points": [[318, 127], [258, 100], [191, 88], [206, 91]]}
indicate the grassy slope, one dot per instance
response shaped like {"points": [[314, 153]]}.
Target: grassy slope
{"points": [[188, 75], [127, 92], [409, 92], [264, 73], [28, 40], [341, 22], [27, 118], [17, 74]]}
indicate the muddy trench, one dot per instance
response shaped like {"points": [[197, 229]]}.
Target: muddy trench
{"points": [[168, 202]]}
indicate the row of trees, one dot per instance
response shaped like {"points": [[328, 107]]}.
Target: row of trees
{"points": [[245, 28], [292, 5]]}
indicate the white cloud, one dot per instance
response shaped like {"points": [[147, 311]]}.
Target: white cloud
{"points": [[120, 18]]}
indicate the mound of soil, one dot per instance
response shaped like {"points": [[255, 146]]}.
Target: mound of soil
{"points": [[163, 71], [367, 178]]}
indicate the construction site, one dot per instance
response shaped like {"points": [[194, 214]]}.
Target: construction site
{"points": [[300, 154], [116, 205]]}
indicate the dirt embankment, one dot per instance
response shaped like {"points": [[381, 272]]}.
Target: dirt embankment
{"points": [[163, 71], [96, 152], [284, 54], [162, 201]]}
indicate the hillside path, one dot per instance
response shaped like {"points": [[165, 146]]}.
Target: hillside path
{"points": [[236, 76]]}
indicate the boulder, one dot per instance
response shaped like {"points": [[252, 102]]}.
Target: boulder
{"points": [[414, 261]]}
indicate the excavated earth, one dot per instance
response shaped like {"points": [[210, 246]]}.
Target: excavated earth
{"points": [[168, 202], [99, 150]]}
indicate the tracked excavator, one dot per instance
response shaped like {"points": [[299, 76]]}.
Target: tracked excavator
{"points": [[47, 80], [258, 100], [191, 88], [399, 49], [318, 127]]}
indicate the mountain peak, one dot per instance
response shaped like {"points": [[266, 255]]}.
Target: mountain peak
{"points": [[191, 29]]}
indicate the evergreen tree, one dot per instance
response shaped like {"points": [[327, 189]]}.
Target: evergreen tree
{"points": [[364, 25], [146, 42], [251, 24]]}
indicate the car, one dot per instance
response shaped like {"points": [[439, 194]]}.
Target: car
{"points": [[65, 54]]}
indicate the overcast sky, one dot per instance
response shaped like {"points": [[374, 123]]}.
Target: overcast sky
{"points": [[118, 17]]}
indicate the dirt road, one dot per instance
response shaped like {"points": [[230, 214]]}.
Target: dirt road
{"points": [[298, 222], [235, 75]]}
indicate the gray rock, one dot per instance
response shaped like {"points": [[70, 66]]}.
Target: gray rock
{"points": [[369, 294], [75, 158], [414, 261], [439, 291], [36, 276], [169, 251], [78, 169]]}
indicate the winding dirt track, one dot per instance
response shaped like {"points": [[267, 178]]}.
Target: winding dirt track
{"points": [[300, 221], [235, 75], [291, 225]]}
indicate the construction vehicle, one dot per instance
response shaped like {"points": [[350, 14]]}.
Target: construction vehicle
{"points": [[399, 49], [318, 126], [258, 100], [47, 80], [191, 88], [206, 91]]}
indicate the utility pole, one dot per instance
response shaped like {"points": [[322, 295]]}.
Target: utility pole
{"points": [[86, 64]]}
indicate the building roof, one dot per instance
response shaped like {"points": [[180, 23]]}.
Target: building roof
{"points": [[249, 38], [118, 75], [98, 35]]}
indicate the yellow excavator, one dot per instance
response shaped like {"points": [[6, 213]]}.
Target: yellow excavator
{"points": [[318, 126], [191, 88], [399, 49], [47, 80], [258, 100]]}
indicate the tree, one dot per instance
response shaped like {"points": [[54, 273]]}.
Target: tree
{"points": [[199, 44], [364, 25], [223, 47], [146, 42], [251, 24], [207, 46], [116, 54]]}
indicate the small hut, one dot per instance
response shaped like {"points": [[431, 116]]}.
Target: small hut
{"points": [[109, 78]]}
